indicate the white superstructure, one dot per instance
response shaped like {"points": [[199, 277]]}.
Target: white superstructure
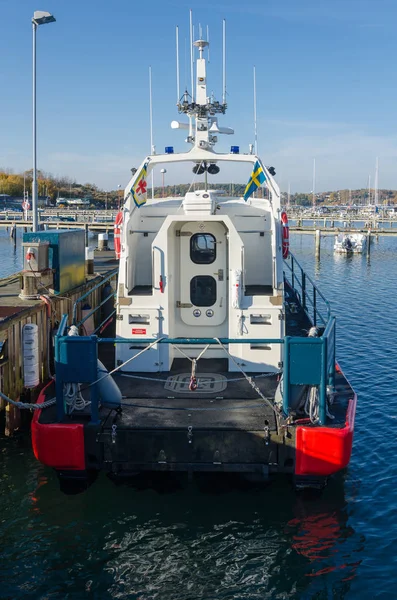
{"points": [[203, 266]]}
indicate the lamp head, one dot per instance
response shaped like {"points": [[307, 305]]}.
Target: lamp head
{"points": [[41, 17]]}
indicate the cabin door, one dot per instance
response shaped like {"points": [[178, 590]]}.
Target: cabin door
{"points": [[203, 270]]}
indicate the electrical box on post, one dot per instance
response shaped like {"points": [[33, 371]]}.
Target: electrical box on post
{"points": [[35, 256], [66, 256]]}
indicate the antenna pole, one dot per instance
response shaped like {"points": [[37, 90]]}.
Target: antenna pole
{"points": [[151, 122], [191, 54], [178, 91], [208, 40], [224, 61], [255, 122]]}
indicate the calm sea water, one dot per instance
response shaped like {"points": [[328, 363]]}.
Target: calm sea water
{"points": [[193, 542]]}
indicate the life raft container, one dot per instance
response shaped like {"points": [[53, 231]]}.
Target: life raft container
{"points": [[117, 240], [285, 234]]}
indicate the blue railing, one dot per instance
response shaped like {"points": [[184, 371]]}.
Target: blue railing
{"points": [[79, 301], [307, 361], [312, 300]]}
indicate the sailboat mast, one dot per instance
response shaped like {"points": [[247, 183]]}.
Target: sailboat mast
{"points": [[369, 190], [314, 183], [376, 199]]}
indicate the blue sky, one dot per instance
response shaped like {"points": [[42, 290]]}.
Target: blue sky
{"points": [[326, 85]]}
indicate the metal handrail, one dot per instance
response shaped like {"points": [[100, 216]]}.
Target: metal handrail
{"points": [[306, 297], [87, 294]]}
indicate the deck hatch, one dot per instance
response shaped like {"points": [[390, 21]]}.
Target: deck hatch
{"points": [[208, 383]]}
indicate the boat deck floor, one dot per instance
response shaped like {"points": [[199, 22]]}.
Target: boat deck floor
{"points": [[222, 401], [163, 401]]}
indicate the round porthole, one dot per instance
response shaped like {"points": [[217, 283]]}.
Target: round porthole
{"points": [[196, 312], [209, 312]]}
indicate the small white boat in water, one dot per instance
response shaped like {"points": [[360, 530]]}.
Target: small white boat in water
{"points": [[350, 243]]}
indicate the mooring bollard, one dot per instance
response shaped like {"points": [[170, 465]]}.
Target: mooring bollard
{"points": [[368, 242], [318, 243], [89, 260], [103, 241]]}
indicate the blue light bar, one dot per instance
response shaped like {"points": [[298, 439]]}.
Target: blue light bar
{"points": [[169, 149], [235, 150]]}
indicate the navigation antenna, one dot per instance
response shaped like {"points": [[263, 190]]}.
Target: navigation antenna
{"points": [[224, 61], [152, 148], [255, 123], [208, 40], [178, 91], [191, 55]]}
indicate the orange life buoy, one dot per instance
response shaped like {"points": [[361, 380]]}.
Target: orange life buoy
{"points": [[285, 234], [117, 240]]}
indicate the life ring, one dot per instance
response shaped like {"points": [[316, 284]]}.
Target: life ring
{"points": [[117, 240], [285, 234]]}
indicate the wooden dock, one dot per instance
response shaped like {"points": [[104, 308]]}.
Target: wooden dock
{"points": [[46, 313]]}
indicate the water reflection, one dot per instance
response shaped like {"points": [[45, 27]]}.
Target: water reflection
{"points": [[179, 542]]}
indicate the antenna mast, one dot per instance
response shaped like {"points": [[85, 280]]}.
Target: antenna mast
{"points": [[208, 40], [255, 123], [151, 123], [224, 61], [191, 54], [178, 91]]}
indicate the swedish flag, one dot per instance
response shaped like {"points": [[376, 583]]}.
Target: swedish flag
{"points": [[255, 181]]}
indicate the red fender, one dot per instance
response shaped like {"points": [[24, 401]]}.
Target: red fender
{"points": [[285, 234], [117, 240]]}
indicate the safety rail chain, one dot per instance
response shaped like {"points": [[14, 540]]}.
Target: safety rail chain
{"points": [[307, 362], [108, 277], [307, 291]]}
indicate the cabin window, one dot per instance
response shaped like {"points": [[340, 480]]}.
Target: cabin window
{"points": [[203, 290], [203, 248]]}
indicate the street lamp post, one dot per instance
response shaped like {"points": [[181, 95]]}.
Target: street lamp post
{"points": [[40, 17]]}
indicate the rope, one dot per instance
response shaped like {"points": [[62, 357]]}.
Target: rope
{"points": [[249, 379], [26, 405], [123, 364], [312, 406], [203, 376], [197, 409], [193, 379]]}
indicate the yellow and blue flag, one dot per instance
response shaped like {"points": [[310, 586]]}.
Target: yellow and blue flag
{"points": [[255, 181], [139, 189]]}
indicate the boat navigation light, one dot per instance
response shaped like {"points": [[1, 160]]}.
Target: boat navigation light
{"points": [[235, 150], [169, 149]]}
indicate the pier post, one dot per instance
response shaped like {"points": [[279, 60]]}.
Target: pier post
{"points": [[86, 234], [103, 241], [368, 242], [318, 243]]}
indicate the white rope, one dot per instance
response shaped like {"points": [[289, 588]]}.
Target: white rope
{"points": [[73, 397], [249, 379], [312, 406]]}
